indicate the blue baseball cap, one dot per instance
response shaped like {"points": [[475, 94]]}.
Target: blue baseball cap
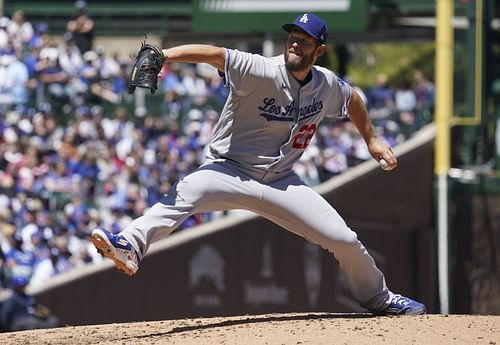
{"points": [[19, 281], [310, 23]]}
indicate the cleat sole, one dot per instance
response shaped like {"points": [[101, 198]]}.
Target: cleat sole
{"points": [[105, 250]]}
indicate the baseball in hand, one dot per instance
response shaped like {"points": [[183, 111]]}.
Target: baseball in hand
{"points": [[383, 164]]}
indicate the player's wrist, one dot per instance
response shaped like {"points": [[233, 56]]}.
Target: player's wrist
{"points": [[369, 135], [374, 140]]}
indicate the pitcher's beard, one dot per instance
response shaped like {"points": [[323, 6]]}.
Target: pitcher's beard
{"points": [[303, 62]]}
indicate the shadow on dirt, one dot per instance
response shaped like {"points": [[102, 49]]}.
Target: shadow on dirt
{"points": [[255, 320]]}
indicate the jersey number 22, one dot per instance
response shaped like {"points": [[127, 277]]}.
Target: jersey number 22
{"points": [[304, 136]]}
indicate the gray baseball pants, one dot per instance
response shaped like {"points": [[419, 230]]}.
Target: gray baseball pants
{"points": [[287, 202]]}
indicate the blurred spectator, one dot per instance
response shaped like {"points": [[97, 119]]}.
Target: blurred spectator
{"points": [[82, 27], [97, 86], [70, 57], [195, 86], [406, 100], [406, 104], [334, 162], [19, 262], [358, 151], [21, 31], [391, 132], [5, 42], [41, 37], [379, 95], [20, 311], [174, 89], [52, 78], [381, 99], [45, 267], [424, 91], [119, 81], [337, 143], [109, 66], [13, 81]]}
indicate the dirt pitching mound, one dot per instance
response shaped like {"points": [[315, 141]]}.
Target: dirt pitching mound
{"points": [[309, 328]]}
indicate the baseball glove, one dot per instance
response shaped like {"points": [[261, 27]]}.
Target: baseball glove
{"points": [[148, 64]]}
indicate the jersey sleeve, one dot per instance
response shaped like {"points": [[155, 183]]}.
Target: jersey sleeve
{"points": [[244, 72], [340, 99]]}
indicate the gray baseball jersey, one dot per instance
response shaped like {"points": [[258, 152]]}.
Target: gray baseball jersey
{"points": [[266, 124], [269, 118]]}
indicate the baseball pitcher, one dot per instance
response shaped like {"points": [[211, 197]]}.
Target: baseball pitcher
{"points": [[272, 112]]}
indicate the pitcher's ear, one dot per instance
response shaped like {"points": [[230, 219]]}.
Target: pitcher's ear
{"points": [[320, 51]]}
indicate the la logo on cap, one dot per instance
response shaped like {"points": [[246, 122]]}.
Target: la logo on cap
{"points": [[304, 18]]}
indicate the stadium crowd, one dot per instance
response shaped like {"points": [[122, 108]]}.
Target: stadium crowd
{"points": [[74, 155]]}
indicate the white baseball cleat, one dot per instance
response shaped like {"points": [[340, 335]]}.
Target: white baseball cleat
{"points": [[116, 248]]}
